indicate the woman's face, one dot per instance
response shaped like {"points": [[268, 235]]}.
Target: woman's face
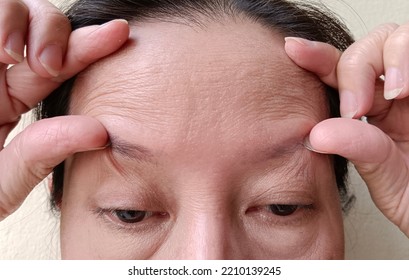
{"points": [[207, 158]]}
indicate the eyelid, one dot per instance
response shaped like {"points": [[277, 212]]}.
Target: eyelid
{"points": [[299, 207], [286, 197], [301, 216], [115, 215], [107, 215]]}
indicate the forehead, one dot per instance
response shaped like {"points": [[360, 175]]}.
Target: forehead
{"points": [[191, 82]]}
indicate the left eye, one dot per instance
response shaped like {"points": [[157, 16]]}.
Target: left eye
{"points": [[283, 209], [131, 216]]}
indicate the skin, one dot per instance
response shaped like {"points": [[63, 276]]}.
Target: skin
{"points": [[219, 129]]}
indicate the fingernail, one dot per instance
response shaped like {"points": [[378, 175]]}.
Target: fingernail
{"points": [[308, 146], [394, 83], [392, 94], [15, 46], [51, 59], [115, 20], [349, 104], [300, 41]]}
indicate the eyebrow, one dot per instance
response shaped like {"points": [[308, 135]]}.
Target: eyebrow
{"points": [[142, 154], [280, 151], [130, 150]]}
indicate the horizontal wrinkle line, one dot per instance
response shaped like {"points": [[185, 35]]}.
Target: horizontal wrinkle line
{"points": [[130, 150]]}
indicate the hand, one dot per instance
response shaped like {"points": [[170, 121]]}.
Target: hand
{"points": [[379, 150], [54, 54]]}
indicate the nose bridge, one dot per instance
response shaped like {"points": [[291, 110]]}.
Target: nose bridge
{"points": [[206, 234], [202, 217], [197, 234]]}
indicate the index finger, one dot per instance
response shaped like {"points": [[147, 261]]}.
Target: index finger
{"points": [[86, 45], [337, 70], [47, 38], [359, 67]]}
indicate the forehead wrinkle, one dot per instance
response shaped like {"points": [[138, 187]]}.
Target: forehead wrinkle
{"points": [[198, 91], [141, 96], [124, 94]]}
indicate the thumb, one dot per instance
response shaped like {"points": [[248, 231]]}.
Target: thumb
{"points": [[86, 45], [377, 159], [33, 154]]}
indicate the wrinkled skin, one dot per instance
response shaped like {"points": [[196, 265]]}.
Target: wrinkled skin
{"points": [[219, 131]]}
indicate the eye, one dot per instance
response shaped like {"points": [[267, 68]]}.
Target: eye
{"points": [[131, 219], [131, 216], [283, 214], [282, 209]]}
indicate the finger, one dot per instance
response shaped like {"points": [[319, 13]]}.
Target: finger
{"points": [[375, 156], [32, 155], [322, 59], [4, 132], [13, 22], [396, 63], [89, 44], [358, 70], [47, 40], [319, 58], [86, 45], [380, 106]]}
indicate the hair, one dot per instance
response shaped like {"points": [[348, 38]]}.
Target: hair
{"points": [[288, 18]]}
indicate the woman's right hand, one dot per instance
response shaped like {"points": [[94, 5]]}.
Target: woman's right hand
{"points": [[54, 54], [379, 149]]}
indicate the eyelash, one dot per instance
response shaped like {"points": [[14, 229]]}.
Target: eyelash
{"points": [[111, 215], [299, 214], [294, 208], [282, 214]]}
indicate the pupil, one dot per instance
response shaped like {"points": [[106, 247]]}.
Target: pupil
{"points": [[283, 210], [130, 216]]}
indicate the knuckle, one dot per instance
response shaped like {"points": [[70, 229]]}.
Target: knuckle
{"points": [[399, 39], [352, 58], [368, 53], [364, 52], [374, 41], [381, 34], [14, 7], [27, 166], [8, 202], [12, 196], [60, 21], [33, 164], [53, 22]]}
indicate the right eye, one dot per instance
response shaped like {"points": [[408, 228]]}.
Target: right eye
{"points": [[283, 209], [130, 219], [131, 216]]}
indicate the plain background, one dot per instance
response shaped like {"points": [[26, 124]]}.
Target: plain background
{"points": [[33, 231]]}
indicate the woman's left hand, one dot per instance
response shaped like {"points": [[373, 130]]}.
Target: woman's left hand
{"points": [[379, 149]]}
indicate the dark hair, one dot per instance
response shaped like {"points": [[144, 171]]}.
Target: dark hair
{"points": [[296, 19]]}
